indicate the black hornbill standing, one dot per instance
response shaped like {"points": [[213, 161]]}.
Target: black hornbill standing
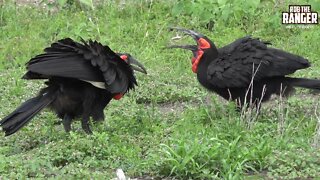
{"points": [[247, 70], [82, 79]]}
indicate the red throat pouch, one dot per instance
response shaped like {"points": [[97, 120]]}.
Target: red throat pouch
{"points": [[117, 96], [195, 61], [202, 44]]}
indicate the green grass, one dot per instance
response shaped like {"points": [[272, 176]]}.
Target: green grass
{"points": [[169, 127]]}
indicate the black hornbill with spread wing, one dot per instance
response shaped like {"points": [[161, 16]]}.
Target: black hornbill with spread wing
{"points": [[82, 79], [247, 70]]}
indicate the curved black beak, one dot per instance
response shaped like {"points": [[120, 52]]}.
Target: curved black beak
{"points": [[193, 48], [136, 65], [196, 36], [188, 47]]}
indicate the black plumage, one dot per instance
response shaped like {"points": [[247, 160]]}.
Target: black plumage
{"points": [[82, 79], [247, 70]]}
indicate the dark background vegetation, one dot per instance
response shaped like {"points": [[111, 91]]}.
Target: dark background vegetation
{"points": [[170, 127]]}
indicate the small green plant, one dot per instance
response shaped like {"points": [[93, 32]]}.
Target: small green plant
{"points": [[207, 155], [299, 164]]}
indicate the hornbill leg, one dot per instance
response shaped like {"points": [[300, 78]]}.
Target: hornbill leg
{"points": [[98, 116], [67, 122], [85, 124], [97, 113]]}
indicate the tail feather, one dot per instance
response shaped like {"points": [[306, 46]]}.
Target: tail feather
{"points": [[305, 83], [23, 114]]}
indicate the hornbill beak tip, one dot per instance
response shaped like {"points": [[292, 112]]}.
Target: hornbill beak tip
{"points": [[136, 65]]}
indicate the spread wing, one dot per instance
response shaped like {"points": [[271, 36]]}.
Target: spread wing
{"points": [[247, 57], [84, 61]]}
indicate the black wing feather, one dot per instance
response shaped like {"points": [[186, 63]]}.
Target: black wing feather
{"points": [[239, 61], [89, 61]]}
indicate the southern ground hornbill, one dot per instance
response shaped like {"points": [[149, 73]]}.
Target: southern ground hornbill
{"points": [[82, 79], [247, 70]]}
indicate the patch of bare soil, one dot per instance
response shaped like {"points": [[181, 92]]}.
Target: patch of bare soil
{"points": [[178, 107]]}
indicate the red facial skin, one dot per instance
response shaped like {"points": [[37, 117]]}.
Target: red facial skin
{"points": [[119, 95], [202, 44], [124, 57]]}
